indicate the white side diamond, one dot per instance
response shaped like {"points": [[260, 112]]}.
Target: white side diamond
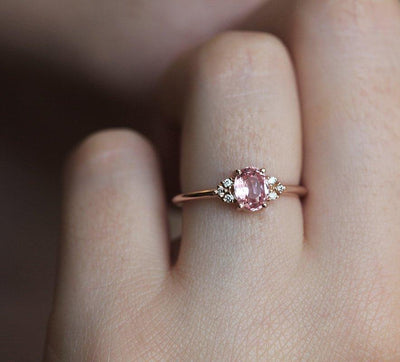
{"points": [[272, 180], [227, 182], [220, 191], [228, 198], [273, 195], [280, 188]]}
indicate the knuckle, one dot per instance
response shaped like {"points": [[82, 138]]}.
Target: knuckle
{"points": [[103, 148], [240, 56]]}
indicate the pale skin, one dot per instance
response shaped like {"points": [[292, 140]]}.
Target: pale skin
{"points": [[312, 279]]}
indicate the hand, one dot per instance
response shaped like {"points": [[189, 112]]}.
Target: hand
{"points": [[312, 279]]}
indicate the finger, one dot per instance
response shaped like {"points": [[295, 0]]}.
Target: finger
{"points": [[242, 111], [347, 55], [113, 253]]}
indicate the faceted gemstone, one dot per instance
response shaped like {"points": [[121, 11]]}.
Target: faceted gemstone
{"points": [[251, 189]]}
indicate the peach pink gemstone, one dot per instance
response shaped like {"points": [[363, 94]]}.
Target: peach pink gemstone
{"points": [[251, 189]]}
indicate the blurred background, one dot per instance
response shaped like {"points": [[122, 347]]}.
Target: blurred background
{"points": [[67, 70]]}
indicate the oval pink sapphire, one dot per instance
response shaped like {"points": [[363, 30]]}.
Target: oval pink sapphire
{"points": [[251, 189]]}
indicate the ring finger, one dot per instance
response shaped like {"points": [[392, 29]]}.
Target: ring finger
{"points": [[242, 110]]}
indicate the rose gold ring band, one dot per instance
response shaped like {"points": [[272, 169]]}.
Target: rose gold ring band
{"points": [[291, 190], [250, 188]]}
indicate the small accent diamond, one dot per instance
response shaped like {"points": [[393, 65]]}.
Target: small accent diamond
{"points": [[272, 195], [228, 198], [220, 191], [227, 182], [280, 188], [272, 180]]}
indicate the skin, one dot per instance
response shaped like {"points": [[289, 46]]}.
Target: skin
{"points": [[123, 45], [69, 68], [312, 279]]}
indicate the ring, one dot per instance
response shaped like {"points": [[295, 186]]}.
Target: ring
{"points": [[250, 189]]}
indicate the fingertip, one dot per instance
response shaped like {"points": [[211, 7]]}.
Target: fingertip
{"points": [[102, 176], [100, 153]]}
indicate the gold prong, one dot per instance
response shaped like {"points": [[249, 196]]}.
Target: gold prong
{"points": [[238, 172], [262, 171], [264, 205]]}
